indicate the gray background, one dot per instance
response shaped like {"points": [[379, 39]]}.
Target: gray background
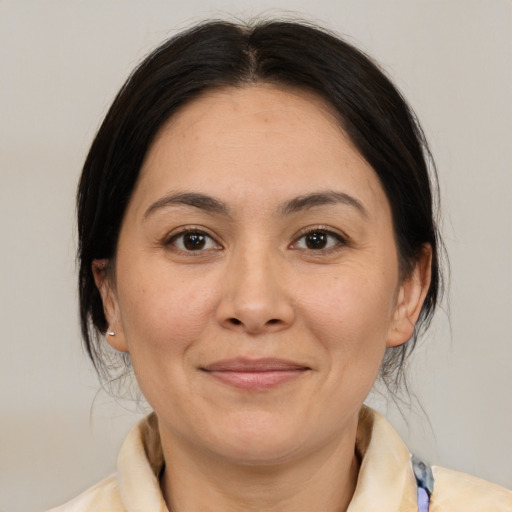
{"points": [[60, 65]]}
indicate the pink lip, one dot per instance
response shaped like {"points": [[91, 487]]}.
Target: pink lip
{"points": [[255, 374]]}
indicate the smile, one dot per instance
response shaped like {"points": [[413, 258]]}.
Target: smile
{"points": [[255, 374]]}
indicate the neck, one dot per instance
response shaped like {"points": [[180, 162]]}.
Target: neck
{"points": [[322, 480]]}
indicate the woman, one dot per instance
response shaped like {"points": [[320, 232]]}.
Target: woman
{"points": [[257, 238]]}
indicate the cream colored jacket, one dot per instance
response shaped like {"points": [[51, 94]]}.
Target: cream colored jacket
{"points": [[386, 482]]}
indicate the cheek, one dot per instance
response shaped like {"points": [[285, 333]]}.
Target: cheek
{"points": [[162, 318], [351, 302], [350, 315], [165, 312]]}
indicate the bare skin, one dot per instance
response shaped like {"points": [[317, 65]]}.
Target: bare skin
{"points": [[256, 288]]}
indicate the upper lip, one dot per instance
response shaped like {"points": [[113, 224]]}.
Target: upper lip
{"points": [[242, 364]]}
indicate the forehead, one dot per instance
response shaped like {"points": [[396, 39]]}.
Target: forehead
{"points": [[266, 103], [258, 138]]}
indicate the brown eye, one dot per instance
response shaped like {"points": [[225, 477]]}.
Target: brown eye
{"points": [[193, 241], [318, 240]]}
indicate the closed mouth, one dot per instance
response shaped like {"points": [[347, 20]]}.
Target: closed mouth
{"points": [[255, 374]]}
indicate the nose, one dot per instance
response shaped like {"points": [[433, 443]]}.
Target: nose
{"points": [[254, 298]]}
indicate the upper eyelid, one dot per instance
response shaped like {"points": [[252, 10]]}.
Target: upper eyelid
{"points": [[175, 234], [183, 230], [327, 229]]}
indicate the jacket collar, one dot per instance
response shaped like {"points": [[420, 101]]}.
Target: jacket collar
{"points": [[385, 483]]}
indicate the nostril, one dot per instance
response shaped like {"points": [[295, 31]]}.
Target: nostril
{"points": [[235, 321], [273, 321]]}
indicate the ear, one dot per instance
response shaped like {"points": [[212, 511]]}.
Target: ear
{"points": [[411, 295], [106, 286]]}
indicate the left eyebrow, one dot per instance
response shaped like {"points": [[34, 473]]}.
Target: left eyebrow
{"points": [[201, 201], [320, 199]]}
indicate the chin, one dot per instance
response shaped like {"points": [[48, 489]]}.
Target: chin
{"points": [[257, 440]]}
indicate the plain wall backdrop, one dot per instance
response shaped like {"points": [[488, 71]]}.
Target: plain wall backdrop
{"points": [[61, 62]]}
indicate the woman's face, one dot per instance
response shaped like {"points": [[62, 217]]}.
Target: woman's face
{"points": [[256, 281]]}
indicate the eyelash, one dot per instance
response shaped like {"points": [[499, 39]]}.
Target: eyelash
{"points": [[340, 240]]}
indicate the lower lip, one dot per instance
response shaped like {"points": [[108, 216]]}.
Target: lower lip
{"points": [[257, 380]]}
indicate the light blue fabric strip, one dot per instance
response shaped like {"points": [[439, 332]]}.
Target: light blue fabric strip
{"points": [[423, 500], [425, 482]]}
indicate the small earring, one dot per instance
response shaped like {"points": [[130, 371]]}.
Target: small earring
{"points": [[111, 333]]}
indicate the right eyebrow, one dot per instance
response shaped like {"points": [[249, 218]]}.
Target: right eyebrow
{"points": [[322, 198], [201, 201]]}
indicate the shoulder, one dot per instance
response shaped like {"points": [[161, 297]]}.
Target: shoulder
{"points": [[103, 496], [458, 492], [135, 485]]}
